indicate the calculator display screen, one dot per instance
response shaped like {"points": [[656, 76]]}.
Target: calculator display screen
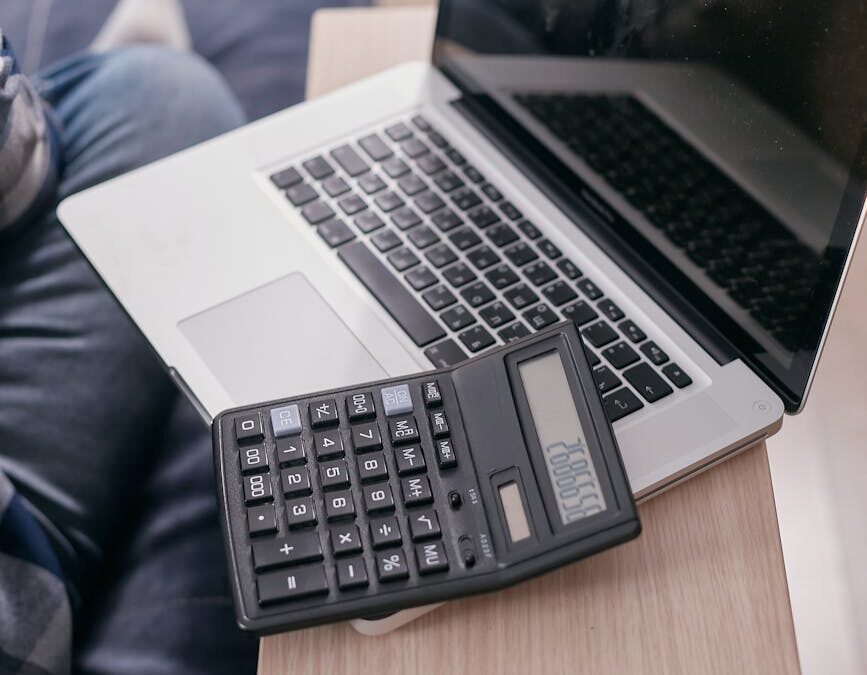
{"points": [[575, 484]]}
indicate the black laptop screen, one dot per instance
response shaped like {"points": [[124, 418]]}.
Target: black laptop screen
{"points": [[719, 143]]}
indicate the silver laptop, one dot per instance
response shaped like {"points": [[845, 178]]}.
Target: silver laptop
{"points": [[672, 180]]}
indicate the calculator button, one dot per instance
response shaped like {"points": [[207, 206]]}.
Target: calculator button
{"points": [[431, 558], [295, 481], [384, 532], [257, 488], [424, 525], [409, 460], [300, 512], [439, 424], [351, 573], [248, 427], [391, 566], [283, 551], [366, 437], [290, 450], [339, 505], [378, 497], [403, 430], [345, 540], [360, 406], [254, 459], [445, 454], [333, 474], [286, 421], [372, 467], [261, 519], [296, 583], [431, 393], [416, 491], [328, 443], [323, 413], [396, 400]]}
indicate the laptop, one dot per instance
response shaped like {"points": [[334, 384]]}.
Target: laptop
{"points": [[666, 174]]}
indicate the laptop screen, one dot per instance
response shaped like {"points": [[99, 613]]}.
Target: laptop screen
{"points": [[718, 143]]}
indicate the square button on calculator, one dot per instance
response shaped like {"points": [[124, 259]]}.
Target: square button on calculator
{"points": [[370, 499]]}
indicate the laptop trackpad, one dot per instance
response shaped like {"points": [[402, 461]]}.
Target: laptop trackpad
{"points": [[279, 340]]}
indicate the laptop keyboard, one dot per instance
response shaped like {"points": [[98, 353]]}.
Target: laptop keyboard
{"points": [[742, 248], [457, 265]]}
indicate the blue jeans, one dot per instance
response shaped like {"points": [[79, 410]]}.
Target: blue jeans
{"points": [[92, 432]]}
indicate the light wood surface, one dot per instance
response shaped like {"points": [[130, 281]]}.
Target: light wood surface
{"points": [[703, 589]]}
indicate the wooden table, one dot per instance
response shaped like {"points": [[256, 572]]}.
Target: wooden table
{"points": [[703, 590]]}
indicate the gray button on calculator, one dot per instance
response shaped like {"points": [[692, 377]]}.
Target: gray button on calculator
{"points": [[286, 421], [396, 400]]}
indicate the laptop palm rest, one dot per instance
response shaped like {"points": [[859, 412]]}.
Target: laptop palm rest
{"points": [[279, 340]]}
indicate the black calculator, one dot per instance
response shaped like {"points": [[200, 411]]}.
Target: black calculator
{"points": [[362, 501]]}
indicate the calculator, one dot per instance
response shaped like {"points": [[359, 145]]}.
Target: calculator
{"points": [[362, 501]]}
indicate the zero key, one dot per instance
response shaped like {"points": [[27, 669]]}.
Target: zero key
{"points": [[248, 427]]}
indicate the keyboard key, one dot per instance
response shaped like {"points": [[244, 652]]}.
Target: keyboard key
{"points": [[520, 254], [439, 424], [428, 202], [377, 497], [457, 318], [420, 278], [446, 458], [423, 236], [388, 201], [580, 313], [317, 212], [431, 164], [420, 122], [261, 520], [385, 532], [539, 273], [335, 186], [654, 354], [431, 558], [458, 275], [591, 356], [371, 183], [257, 488], [520, 296], [540, 316], [295, 481], [385, 240], [559, 293], [476, 339], [413, 147], [501, 235], [286, 178], [327, 443], [395, 167], [482, 216], [610, 309], [391, 293], [646, 382], [606, 380], [496, 315], [514, 332], [339, 505], [360, 406], [300, 512], [333, 474], [633, 332], [599, 334], [511, 211], [349, 160], [372, 467], [439, 298], [464, 238], [403, 430], [411, 184], [351, 573], [290, 450], [391, 566], [477, 294], [446, 220], [491, 192], [679, 378], [440, 256], [283, 551], [482, 257], [405, 218], [368, 222], [398, 132], [409, 459], [318, 167], [549, 249], [589, 289], [375, 147], [473, 174], [437, 140], [465, 198], [366, 437], [501, 276], [621, 403], [530, 231], [424, 525], [296, 583], [248, 427], [416, 491], [345, 539], [299, 195], [620, 355], [335, 233], [323, 413], [569, 268], [352, 204], [445, 354], [448, 181]]}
